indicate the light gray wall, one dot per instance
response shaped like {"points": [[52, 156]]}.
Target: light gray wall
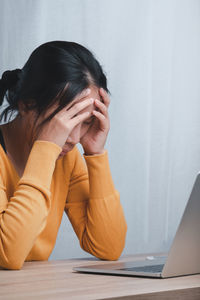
{"points": [[150, 53]]}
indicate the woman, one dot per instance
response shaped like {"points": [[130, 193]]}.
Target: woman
{"points": [[62, 99]]}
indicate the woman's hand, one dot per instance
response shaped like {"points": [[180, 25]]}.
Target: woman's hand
{"points": [[95, 138], [60, 126]]}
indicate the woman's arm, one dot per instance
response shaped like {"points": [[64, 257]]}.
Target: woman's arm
{"points": [[23, 216], [94, 209]]}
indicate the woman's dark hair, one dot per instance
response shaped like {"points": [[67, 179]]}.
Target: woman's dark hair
{"points": [[42, 81]]}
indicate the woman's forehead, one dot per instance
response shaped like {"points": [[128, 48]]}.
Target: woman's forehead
{"points": [[94, 93]]}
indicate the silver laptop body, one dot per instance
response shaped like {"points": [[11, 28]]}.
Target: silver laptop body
{"points": [[183, 257]]}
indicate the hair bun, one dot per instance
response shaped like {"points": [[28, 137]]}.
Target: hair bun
{"points": [[10, 78]]}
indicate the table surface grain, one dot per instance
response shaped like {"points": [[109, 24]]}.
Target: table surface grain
{"points": [[56, 280]]}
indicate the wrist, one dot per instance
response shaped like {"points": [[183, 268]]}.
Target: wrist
{"points": [[93, 153]]}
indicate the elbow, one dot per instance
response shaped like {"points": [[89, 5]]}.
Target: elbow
{"points": [[113, 254], [109, 251], [102, 252], [11, 264], [114, 250], [110, 257], [105, 247]]}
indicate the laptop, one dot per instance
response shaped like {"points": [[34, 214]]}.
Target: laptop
{"points": [[183, 257]]}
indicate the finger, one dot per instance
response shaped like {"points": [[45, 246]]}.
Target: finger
{"points": [[76, 108], [83, 94], [51, 109], [78, 119], [102, 107], [104, 96], [101, 118]]}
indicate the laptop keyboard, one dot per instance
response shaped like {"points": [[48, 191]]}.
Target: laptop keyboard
{"points": [[150, 269]]}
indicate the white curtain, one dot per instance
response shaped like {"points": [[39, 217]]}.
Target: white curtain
{"points": [[150, 51]]}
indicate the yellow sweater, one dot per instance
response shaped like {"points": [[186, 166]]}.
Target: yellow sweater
{"points": [[31, 207]]}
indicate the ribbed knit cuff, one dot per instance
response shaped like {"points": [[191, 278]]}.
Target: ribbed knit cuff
{"points": [[100, 178], [41, 163]]}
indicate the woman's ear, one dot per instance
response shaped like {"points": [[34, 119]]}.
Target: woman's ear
{"points": [[25, 109], [22, 108]]}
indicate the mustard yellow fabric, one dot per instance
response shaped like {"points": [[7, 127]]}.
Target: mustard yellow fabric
{"points": [[31, 207]]}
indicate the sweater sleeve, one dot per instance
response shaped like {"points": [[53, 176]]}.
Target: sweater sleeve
{"points": [[23, 216], [94, 209]]}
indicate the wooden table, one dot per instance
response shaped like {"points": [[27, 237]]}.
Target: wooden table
{"points": [[57, 280]]}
